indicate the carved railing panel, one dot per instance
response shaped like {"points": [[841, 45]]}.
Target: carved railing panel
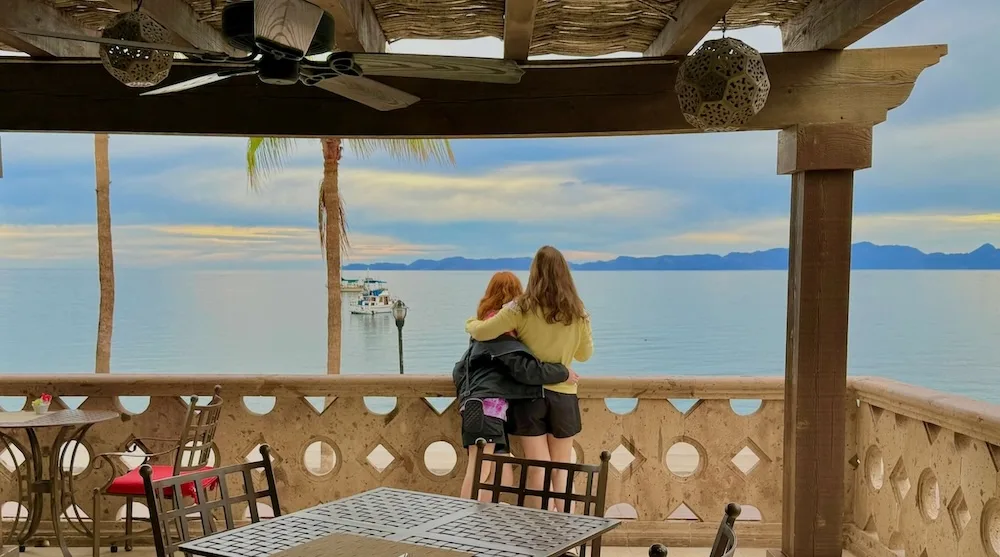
{"points": [[927, 480], [674, 469]]}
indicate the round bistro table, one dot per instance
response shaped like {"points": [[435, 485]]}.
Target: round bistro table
{"points": [[35, 480]]}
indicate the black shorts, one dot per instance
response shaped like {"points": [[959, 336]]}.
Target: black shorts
{"points": [[556, 414], [476, 426]]}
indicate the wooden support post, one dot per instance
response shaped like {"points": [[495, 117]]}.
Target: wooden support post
{"points": [[822, 160]]}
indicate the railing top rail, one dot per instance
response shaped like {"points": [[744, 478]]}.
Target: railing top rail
{"points": [[706, 388], [961, 414]]}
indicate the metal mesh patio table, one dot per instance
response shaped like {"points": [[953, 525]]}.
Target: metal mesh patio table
{"points": [[481, 529]]}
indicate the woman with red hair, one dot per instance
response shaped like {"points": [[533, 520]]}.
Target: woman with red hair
{"points": [[493, 372]]}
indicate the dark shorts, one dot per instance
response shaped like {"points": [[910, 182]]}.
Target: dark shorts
{"points": [[477, 426], [556, 414]]}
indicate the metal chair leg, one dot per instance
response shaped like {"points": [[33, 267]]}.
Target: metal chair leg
{"points": [[97, 522], [128, 523]]}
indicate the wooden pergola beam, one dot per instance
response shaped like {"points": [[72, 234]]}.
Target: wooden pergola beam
{"points": [[34, 14], [518, 27], [692, 20], [356, 26], [837, 24], [182, 20], [570, 98]]}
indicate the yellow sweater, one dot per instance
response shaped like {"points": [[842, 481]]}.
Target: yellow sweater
{"points": [[550, 342]]}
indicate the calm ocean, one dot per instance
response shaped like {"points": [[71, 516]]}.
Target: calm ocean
{"points": [[937, 329]]}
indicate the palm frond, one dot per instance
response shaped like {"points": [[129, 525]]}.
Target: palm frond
{"points": [[266, 155], [418, 150]]}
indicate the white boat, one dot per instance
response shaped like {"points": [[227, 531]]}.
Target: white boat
{"points": [[360, 285], [350, 285], [372, 301]]}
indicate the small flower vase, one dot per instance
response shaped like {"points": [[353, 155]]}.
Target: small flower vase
{"points": [[41, 408]]}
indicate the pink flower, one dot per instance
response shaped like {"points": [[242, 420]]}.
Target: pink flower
{"points": [[46, 398]]}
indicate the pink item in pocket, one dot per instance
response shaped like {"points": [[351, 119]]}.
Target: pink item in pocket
{"points": [[495, 408]]}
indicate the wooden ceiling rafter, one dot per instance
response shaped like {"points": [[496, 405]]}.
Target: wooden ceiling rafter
{"points": [[607, 97], [180, 18], [356, 26], [837, 24], [518, 28], [35, 14], [690, 22]]}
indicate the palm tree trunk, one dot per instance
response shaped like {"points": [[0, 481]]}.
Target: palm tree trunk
{"points": [[105, 255], [331, 207]]}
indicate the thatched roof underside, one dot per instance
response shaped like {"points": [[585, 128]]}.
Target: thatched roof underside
{"points": [[567, 27]]}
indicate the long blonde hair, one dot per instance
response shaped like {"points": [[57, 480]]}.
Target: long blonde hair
{"points": [[551, 290]]}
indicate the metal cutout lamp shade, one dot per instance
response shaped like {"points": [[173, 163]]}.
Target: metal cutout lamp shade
{"points": [[136, 67], [722, 85]]}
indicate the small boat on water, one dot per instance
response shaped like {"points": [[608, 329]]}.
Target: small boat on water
{"points": [[372, 301], [360, 285], [350, 285]]}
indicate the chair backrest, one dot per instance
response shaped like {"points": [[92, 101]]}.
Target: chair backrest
{"points": [[169, 514], [592, 498], [197, 440], [725, 537]]}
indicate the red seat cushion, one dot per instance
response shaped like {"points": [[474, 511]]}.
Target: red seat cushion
{"points": [[131, 483]]}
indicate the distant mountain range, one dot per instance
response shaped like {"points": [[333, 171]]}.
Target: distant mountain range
{"points": [[864, 255]]}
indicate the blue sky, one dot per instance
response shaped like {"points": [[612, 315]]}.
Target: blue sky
{"points": [[183, 201]]}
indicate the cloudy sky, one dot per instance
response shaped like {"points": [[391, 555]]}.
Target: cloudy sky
{"points": [[184, 201]]}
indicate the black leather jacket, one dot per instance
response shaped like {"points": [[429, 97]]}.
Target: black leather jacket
{"points": [[503, 368]]}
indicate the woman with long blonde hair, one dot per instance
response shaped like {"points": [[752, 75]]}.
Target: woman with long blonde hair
{"points": [[494, 373], [551, 321]]}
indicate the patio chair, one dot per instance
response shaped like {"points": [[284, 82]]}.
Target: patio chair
{"points": [[169, 515], [592, 499], [191, 452], [725, 537]]}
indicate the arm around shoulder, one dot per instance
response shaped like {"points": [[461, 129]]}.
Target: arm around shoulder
{"points": [[505, 320]]}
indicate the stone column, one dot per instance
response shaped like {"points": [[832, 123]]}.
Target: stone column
{"points": [[821, 160]]}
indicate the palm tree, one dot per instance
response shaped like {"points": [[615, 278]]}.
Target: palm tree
{"points": [[105, 255], [268, 154]]}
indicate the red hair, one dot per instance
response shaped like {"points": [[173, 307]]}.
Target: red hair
{"points": [[503, 287]]}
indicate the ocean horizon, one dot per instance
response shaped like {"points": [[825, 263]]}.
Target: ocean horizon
{"points": [[933, 329]]}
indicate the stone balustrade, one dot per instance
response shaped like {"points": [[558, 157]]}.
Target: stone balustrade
{"points": [[923, 477]]}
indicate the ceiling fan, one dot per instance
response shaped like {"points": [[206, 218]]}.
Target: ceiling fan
{"points": [[279, 35]]}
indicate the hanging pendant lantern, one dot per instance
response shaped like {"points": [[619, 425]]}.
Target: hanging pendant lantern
{"points": [[136, 67], [722, 85]]}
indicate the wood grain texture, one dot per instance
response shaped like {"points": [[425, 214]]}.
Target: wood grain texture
{"points": [[556, 100], [816, 363], [837, 24], [518, 27], [368, 92], [456, 68], [37, 15], [693, 20], [824, 147], [349, 545], [183, 21], [290, 23], [356, 27]]}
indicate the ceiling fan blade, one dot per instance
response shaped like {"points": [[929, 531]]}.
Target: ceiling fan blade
{"points": [[116, 42], [198, 82], [457, 68], [368, 92]]}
